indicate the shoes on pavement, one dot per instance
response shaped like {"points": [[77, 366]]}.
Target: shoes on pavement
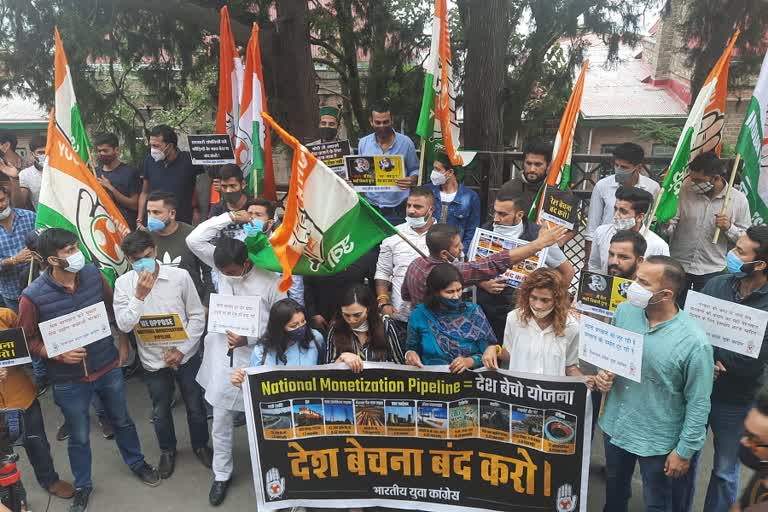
{"points": [[148, 475], [167, 464], [62, 489], [218, 492], [133, 369], [80, 503], [205, 456], [63, 433], [107, 431], [42, 386], [239, 420], [208, 411]]}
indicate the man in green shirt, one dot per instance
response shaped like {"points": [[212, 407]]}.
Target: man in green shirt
{"points": [[661, 421]]}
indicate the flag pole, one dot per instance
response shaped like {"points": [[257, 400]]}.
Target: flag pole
{"points": [[413, 246], [421, 162], [736, 163]]}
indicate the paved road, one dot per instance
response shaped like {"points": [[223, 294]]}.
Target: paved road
{"points": [[116, 490]]}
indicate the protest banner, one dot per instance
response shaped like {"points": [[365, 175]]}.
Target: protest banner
{"points": [[611, 348], [239, 314], [728, 325], [211, 149], [375, 173], [332, 154], [601, 294], [425, 439], [13, 348], [487, 243], [75, 330], [161, 330], [560, 207]]}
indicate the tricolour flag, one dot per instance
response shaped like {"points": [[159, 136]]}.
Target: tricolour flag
{"points": [[254, 147], [326, 227], [72, 199], [437, 120], [752, 145], [230, 82], [703, 131], [67, 112]]}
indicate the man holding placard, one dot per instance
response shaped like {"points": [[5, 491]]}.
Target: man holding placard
{"points": [[737, 377], [161, 305], [70, 287], [659, 422]]}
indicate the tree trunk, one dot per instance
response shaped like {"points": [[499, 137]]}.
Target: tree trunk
{"points": [[346, 24]]}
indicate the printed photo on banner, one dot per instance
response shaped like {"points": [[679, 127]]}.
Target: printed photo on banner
{"points": [[239, 314], [611, 348], [728, 325], [212, 149], [75, 330], [399, 437], [161, 330], [375, 173], [601, 294], [560, 207], [13, 348], [487, 243], [332, 154]]}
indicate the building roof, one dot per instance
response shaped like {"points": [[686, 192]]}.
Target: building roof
{"points": [[17, 112]]}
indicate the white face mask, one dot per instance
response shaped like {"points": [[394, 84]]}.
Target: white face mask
{"points": [[417, 222], [622, 224], [541, 314], [639, 296], [363, 327], [5, 213], [75, 262], [157, 154], [437, 178], [515, 231]]}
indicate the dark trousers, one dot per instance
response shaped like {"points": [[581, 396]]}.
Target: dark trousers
{"points": [[161, 388], [695, 283], [37, 447]]}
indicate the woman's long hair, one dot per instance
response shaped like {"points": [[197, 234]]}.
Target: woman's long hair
{"points": [[276, 339], [546, 279], [342, 333], [442, 276]]}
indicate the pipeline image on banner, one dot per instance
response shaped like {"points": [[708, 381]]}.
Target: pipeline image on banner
{"points": [[420, 439]]}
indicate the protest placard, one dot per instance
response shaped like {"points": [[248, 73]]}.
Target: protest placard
{"points": [[236, 313], [75, 330], [375, 173], [332, 154], [211, 149], [728, 325], [611, 348], [425, 439], [601, 294], [560, 207], [161, 330], [13, 348], [487, 243]]}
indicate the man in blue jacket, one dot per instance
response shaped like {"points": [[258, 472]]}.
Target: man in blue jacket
{"points": [[455, 204]]}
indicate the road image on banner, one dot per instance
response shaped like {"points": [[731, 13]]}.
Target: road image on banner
{"points": [[601, 294], [424, 439], [332, 154], [375, 173], [487, 243]]}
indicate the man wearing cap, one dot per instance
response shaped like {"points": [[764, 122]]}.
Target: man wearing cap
{"points": [[329, 125], [455, 204]]}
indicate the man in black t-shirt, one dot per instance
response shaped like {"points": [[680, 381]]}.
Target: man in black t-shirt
{"points": [[169, 170], [234, 196], [121, 181]]}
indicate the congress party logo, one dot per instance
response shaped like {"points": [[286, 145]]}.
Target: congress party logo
{"points": [[275, 484], [98, 232]]}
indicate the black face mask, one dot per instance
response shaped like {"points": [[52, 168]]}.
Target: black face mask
{"points": [[752, 461], [231, 197], [383, 132], [328, 134]]}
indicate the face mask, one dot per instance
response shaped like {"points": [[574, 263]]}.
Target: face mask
{"points": [[5, 213], [143, 264], [157, 154], [437, 178], [298, 334], [155, 224], [39, 161], [328, 134], [240, 277], [417, 222], [541, 314], [622, 224], [231, 197], [75, 262], [702, 188], [254, 227], [382, 132], [515, 231], [639, 296], [737, 267], [451, 304], [108, 159], [363, 327], [622, 175], [752, 461]]}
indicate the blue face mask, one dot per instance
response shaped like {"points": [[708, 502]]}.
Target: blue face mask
{"points": [[737, 267], [451, 304], [143, 264], [254, 227], [298, 334], [155, 224]]}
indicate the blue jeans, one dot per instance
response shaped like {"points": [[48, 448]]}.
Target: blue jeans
{"points": [[74, 400], [37, 447], [661, 493], [161, 388]]}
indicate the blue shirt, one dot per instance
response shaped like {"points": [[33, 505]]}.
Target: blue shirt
{"points": [[295, 355], [10, 244], [669, 408], [368, 146]]}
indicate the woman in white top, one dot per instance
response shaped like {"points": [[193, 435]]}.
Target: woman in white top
{"points": [[540, 336]]}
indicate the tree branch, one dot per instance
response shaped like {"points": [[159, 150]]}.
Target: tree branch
{"points": [[331, 64], [327, 47]]}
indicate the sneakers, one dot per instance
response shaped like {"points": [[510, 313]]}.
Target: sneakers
{"points": [[218, 492], [107, 432], [62, 489], [239, 420], [205, 456], [63, 433], [148, 475], [80, 503], [42, 386], [167, 464]]}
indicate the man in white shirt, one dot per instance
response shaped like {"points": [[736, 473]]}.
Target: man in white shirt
{"points": [[396, 254], [239, 277], [698, 216], [155, 289], [629, 212], [31, 178], [628, 161]]}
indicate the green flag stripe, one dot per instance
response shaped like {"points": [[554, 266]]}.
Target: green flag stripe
{"points": [[427, 115]]}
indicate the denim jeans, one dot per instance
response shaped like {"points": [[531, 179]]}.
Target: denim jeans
{"points": [[661, 493], [161, 388], [37, 447], [74, 400]]}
